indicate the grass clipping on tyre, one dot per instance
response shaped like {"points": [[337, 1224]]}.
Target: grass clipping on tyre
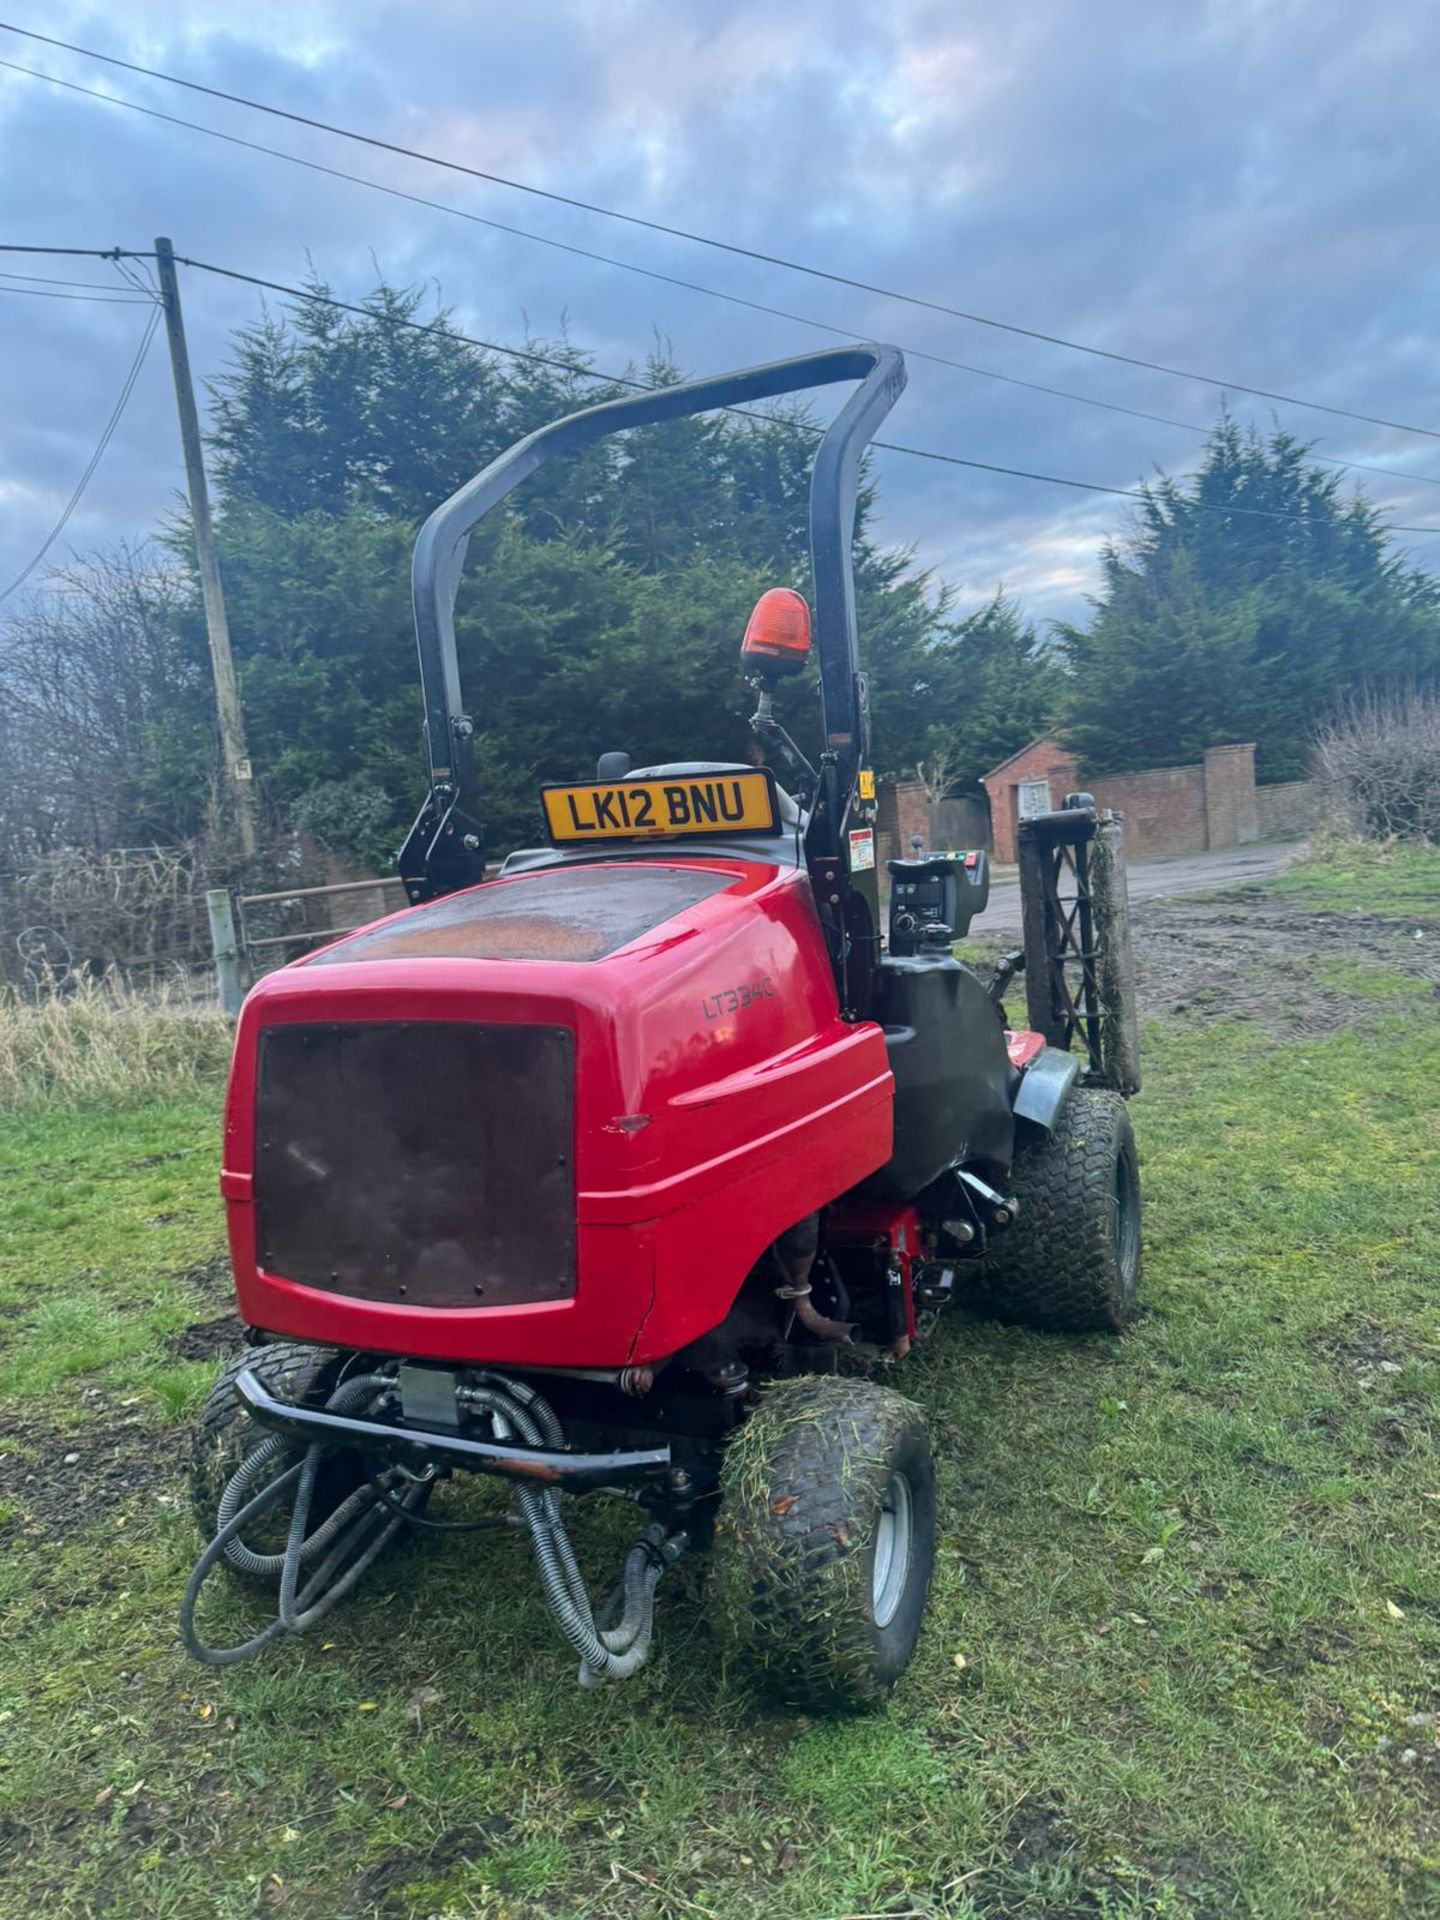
{"points": [[802, 1484]]}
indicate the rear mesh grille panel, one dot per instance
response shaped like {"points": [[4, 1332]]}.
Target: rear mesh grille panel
{"points": [[421, 1163]]}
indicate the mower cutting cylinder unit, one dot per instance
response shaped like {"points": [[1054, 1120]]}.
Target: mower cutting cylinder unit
{"points": [[631, 1171]]}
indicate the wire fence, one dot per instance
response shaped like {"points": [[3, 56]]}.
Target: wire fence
{"points": [[153, 918], [134, 911]]}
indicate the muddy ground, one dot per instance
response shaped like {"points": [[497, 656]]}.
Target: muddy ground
{"points": [[1247, 956], [59, 1477]]}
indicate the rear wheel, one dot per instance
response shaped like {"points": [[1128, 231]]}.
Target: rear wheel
{"points": [[226, 1436], [825, 1541], [1071, 1261]]}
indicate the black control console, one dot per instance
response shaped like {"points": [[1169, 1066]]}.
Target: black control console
{"points": [[933, 899]]}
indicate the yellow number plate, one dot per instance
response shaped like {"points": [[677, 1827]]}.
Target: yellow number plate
{"points": [[733, 803]]}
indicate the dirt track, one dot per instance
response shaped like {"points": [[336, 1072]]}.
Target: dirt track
{"points": [[1228, 951], [1210, 944], [1245, 956], [1156, 879]]}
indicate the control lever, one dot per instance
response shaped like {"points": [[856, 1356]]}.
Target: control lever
{"points": [[1006, 968]]}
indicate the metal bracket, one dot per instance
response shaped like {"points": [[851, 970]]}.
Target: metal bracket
{"points": [[576, 1472]]}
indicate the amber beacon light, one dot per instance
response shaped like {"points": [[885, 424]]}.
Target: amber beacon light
{"points": [[777, 635]]}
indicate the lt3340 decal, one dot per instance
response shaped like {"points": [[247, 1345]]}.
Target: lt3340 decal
{"points": [[732, 999]]}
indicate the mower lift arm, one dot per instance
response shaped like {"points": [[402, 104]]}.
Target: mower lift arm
{"points": [[444, 849]]}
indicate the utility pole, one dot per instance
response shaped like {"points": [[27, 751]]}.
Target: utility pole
{"points": [[237, 782]]}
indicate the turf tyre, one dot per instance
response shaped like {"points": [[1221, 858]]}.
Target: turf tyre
{"points": [[811, 1488], [1071, 1262], [225, 1435]]}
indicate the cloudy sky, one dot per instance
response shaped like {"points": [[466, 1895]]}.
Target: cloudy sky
{"points": [[1243, 188]]}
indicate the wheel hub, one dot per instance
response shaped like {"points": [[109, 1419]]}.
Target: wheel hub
{"points": [[893, 1536], [1127, 1225]]}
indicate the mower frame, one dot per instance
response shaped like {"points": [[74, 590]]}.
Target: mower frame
{"points": [[425, 1447]]}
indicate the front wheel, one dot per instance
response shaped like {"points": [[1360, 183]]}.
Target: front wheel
{"points": [[226, 1437], [1071, 1261], [826, 1540]]}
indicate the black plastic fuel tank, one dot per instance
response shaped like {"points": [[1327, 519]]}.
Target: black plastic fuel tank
{"points": [[952, 1072]]}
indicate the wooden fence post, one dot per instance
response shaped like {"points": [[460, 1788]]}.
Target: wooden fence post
{"points": [[229, 974], [1114, 963]]}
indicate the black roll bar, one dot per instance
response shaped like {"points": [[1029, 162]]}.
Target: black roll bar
{"points": [[444, 849]]}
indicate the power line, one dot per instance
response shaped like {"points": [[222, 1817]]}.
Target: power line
{"points": [[615, 379], [83, 253], [709, 240], [46, 280], [667, 279], [420, 326], [625, 380], [110, 425], [91, 299], [131, 275]]}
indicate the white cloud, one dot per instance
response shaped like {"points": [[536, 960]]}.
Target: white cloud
{"points": [[1243, 188]]}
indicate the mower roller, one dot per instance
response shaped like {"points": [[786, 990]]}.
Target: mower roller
{"points": [[637, 1169]]}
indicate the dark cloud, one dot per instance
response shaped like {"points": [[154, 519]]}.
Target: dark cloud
{"points": [[1243, 187]]}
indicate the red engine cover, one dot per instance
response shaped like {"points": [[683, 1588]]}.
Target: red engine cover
{"points": [[718, 1095]]}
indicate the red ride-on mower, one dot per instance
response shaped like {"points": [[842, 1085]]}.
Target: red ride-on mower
{"points": [[624, 1172]]}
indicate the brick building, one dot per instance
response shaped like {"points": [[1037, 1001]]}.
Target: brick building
{"points": [[1168, 810], [1034, 780]]}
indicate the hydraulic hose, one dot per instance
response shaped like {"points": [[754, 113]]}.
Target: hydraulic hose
{"points": [[295, 1615], [206, 1564], [606, 1653], [246, 1559], [484, 1524], [341, 1537], [318, 1568]]}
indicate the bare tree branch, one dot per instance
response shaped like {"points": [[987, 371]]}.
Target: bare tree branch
{"points": [[1377, 762]]}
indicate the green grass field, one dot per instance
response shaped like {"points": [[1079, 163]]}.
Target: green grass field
{"points": [[1186, 1616], [1395, 882]]}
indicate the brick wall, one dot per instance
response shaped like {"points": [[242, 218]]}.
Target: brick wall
{"points": [[1175, 810], [902, 811], [1168, 810], [1230, 795], [1286, 810], [1164, 809]]}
